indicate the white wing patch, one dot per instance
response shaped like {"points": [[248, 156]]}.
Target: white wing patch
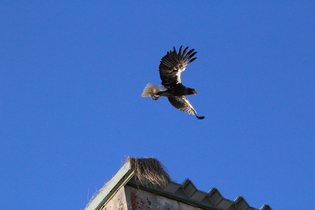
{"points": [[182, 103], [178, 75], [189, 107], [173, 64]]}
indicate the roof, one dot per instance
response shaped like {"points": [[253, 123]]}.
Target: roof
{"points": [[185, 192]]}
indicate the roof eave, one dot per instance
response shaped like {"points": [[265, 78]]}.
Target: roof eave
{"points": [[104, 195]]}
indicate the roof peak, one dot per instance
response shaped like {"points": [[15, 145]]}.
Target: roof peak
{"points": [[149, 174]]}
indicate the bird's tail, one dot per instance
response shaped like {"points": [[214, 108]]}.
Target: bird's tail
{"points": [[149, 90]]}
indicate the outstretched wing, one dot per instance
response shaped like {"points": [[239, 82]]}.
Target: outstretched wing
{"points": [[173, 64], [182, 103]]}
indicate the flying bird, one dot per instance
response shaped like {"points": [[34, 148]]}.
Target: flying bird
{"points": [[171, 67]]}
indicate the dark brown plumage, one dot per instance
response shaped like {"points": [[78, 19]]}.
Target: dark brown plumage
{"points": [[171, 67]]}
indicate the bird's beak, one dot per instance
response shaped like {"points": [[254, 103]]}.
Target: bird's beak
{"points": [[195, 92]]}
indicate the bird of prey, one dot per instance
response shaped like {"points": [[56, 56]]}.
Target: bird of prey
{"points": [[171, 67]]}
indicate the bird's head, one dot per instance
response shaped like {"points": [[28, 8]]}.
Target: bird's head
{"points": [[191, 91]]}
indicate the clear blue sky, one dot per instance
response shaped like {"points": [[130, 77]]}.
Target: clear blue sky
{"points": [[70, 111]]}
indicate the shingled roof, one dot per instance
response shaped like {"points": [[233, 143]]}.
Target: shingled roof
{"points": [[130, 175]]}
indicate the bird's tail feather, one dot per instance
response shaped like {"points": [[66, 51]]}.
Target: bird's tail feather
{"points": [[149, 90]]}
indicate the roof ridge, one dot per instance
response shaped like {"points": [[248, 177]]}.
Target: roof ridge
{"points": [[186, 192]]}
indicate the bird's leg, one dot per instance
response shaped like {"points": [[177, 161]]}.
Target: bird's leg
{"points": [[154, 98]]}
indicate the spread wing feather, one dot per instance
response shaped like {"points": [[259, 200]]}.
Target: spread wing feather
{"points": [[182, 103], [173, 64]]}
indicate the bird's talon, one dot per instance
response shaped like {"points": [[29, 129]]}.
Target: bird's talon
{"points": [[154, 98]]}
